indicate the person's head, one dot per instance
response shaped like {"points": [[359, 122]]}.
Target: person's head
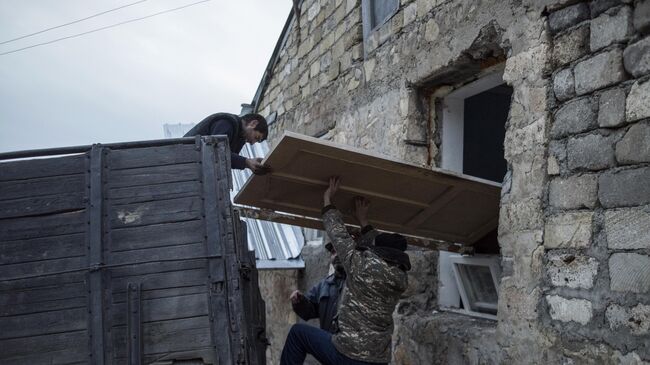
{"points": [[391, 240], [255, 128], [334, 258]]}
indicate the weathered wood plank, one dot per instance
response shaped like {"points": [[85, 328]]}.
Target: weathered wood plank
{"points": [[71, 356], [167, 336], [42, 186], [48, 306], [45, 248], [42, 295], [171, 279], [36, 324], [163, 309], [43, 282], [146, 193], [155, 268], [36, 168], [152, 156], [166, 211], [16, 271], [153, 175], [188, 251], [76, 341], [39, 205], [158, 235], [163, 293], [44, 226], [206, 354]]}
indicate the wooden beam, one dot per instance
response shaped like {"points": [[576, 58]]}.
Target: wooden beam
{"points": [[294, 220]]}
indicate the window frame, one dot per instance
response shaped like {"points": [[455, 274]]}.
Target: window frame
{"points": [[366, 17], [489, 261], [453, 119]]}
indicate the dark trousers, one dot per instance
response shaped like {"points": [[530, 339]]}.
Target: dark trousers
{"points": [[304, 339]]}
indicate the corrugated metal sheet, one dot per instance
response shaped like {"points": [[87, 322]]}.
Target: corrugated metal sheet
{"points": [[276, 245]]}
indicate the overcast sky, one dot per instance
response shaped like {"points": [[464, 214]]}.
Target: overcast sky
{"points": [[124, 83]]}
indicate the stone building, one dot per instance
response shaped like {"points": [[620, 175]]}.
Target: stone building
{"points": [[565, 85]]}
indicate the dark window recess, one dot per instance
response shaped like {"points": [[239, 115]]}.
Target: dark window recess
{"points": [[485, 117]]}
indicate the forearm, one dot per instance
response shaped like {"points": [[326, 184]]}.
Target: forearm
{"points": [[237, 161], [337, 232], [305, 309], [368, 234]]}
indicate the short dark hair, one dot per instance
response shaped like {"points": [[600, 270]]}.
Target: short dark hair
{"points": [[261, 126]]}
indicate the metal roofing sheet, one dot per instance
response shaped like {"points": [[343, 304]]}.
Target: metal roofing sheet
{"points": [[276, 245]]}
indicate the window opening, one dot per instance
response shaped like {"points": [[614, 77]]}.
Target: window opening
{"points": [[477, 279], [472, 136]]}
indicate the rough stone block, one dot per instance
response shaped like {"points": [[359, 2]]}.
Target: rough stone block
{"points": [[574, 117], [573, 192], [635, 145], [567, 17], [599, 71], [557, 154], [591, 152], [636, 319], [410, 13], [552, 166], [624, 188], [568, 230], [598, 7], [628, 229], [610, 28], [567, 310], [573, 271], [629, 272], [636, 58], [313, 11], [524, 214], [570, 46], [611, 108], [637, 105], [563, 85], [314, 69], [432, 30], [642, 16]]}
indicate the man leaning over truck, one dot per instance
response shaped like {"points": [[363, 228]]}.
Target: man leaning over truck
{"points": [[376, 278], [251, 128]]}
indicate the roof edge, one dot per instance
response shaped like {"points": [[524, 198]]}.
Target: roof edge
{"points": [[266, 76]]}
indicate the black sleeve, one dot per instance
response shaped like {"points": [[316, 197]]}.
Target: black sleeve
{"points": [[307, 307], [225, 127]]}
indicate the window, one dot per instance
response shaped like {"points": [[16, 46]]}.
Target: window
{"points": [[376, 13], [473, 128], [473, 131], [477, 278]]}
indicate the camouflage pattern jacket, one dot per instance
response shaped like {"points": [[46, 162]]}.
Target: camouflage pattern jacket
{"points": [[372, 290]]}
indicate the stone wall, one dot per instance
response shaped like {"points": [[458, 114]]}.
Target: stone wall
{"points": [[574, 217], [276, 286], [597, 229]]}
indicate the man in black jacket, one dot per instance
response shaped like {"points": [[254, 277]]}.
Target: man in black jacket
{"points": [[251, 128], [321, 300]]}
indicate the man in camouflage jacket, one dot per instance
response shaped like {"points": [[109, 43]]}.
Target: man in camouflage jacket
{"points": [[376, 279]]}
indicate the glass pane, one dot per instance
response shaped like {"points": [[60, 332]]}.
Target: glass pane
{"points": [[380, 10], [479, 287]]}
